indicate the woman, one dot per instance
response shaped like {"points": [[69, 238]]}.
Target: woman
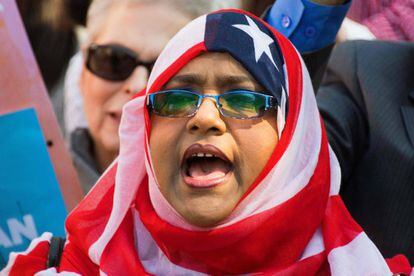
{"points": [[224, 168], [114, 66]]}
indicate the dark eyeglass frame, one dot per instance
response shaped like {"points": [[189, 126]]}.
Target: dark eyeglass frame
{"points": [[129, 56], [270, 102]]}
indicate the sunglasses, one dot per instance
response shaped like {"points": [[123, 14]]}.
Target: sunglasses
{"points": [[113, 62], [238, 104]]}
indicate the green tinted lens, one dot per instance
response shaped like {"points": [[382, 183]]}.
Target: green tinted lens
{"points": [[175, 103], [242, 105]]}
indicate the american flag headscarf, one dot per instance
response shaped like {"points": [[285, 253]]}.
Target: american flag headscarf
{"points": [[291, 221]]}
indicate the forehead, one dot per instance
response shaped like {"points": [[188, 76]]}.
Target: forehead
{"points": [[214, 64], [214, 70], [142, 27]]}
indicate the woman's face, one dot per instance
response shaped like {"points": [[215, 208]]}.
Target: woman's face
{"points": [[206, 190], [143, 28]]}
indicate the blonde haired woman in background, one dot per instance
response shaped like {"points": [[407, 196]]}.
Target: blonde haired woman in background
{"points": [[123, 39]]}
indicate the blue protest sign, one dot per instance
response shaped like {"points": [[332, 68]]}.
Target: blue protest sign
{"points": [[30, 199]]}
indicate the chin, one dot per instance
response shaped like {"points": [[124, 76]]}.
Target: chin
{"points": [[205, 206], [205, 220], [206, 211]]}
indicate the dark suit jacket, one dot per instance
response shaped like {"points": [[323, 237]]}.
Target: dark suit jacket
{"points": [[367, 102]]}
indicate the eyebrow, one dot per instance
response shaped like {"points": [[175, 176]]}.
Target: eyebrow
{"points": [[233, 80], [188, 79], [222, 81]]}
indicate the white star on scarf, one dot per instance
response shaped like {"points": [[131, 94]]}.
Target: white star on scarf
{"points": [[260, 39]]}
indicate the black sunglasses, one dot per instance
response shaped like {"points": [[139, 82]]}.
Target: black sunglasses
{"points": [[113, 62]]}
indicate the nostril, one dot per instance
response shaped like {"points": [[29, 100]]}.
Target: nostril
{"points": [[195, 128]]}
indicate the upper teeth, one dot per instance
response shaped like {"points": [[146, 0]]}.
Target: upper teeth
{"points": [[203, 155]]}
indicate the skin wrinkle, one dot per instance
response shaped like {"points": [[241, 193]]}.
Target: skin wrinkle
{"points": [[248, 144]]}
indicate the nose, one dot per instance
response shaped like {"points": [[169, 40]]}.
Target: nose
{"points": [[137, 81], [207, 120]]}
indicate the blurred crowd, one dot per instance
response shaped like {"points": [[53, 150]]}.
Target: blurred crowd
{"points": [[96, 55]]}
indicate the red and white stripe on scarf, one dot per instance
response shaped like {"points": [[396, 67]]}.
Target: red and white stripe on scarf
{"points": [[290, 222]]}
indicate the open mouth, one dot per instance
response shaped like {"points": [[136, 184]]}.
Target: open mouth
{"points": [[205, 166]]}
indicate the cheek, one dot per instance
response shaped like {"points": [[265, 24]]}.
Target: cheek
{"points": [[95, 92], [164, 146], [255, 146]]}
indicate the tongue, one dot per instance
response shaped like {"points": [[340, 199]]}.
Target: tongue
{"points": [[207, 168]]}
